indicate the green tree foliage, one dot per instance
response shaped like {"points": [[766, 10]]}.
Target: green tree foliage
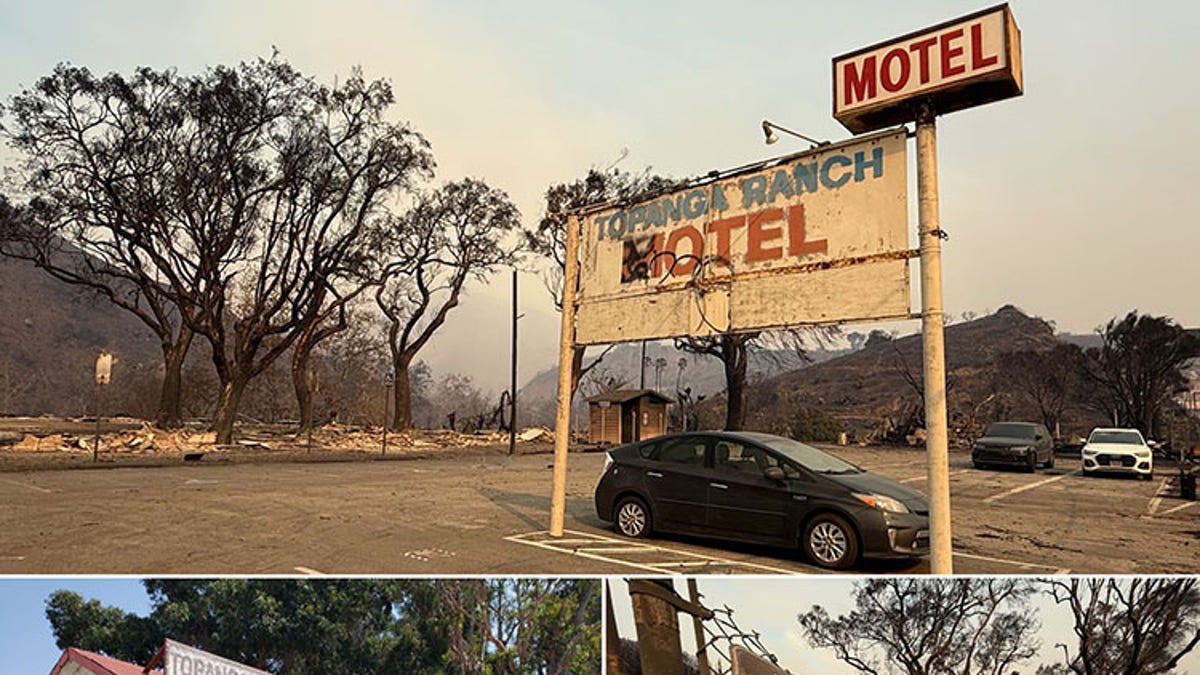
{"points": [[360, 626]]}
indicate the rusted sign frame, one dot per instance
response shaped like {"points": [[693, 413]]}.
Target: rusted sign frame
{"points": [[661, 307]]}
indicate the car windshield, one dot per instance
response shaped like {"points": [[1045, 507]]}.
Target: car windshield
{"points": [[1009, 430], [1124, 437], [808, 457]]}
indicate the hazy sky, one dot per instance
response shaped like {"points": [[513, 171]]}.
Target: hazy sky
{"points": [[771, 605], [1073, 202]]}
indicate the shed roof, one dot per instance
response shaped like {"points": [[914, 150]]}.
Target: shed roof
{"points": [[623, 395], [75, 661]]}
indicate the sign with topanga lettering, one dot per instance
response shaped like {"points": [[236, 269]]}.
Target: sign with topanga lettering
{"points": [[958, 64], [816, 237], [184, 660]]}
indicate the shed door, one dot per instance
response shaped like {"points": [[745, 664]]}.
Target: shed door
{"points": [[629, 423]]}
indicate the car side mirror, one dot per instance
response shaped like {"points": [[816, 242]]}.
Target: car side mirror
{"points": [[775, 473]]}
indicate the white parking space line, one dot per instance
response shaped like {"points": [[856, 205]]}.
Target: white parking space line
{"points": [[1023, 488], [1177, 508], [672, 563], [913, 479], [1017, 563], [27, 485], [1156, 500], [308, 570]]}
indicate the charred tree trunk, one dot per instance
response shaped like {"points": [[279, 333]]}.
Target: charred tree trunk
{"points": [[301, 379], [227, 407], [402, 414], [170, 402], [302, 385], [734, 359]]}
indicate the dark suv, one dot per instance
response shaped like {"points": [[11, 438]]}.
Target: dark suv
{"points": [[1023, 444]]}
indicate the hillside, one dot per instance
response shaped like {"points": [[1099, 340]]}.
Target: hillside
{"points": [[868, 392], [50, 335]]}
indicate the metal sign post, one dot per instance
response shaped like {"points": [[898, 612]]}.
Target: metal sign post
{"points": [[103, 376], [959, 64], [934, 367], [389, 380], [566, 348]]}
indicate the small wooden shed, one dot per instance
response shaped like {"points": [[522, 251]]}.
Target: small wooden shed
{"points": [[626, 415]]}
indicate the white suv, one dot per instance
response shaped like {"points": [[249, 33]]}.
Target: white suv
{"points": [[1118, 451]]}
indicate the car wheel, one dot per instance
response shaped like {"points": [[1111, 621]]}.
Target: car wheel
{"points": [[831, 542], [979, 465], [1050, 460], [633, 518], [1031, 463]]}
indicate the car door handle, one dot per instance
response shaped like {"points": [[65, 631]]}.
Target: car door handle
{"points": [[800, 498], [719, 486], [654, 474]]}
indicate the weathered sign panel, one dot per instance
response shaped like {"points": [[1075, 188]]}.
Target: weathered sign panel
{"points": [[746, 662], [184, 660], [958, 64], [812, 238], [104, 368]]}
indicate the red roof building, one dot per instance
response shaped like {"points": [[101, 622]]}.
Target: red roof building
{"points": [[80, 662]]}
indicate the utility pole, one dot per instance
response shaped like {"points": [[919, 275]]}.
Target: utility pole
{"points": [[512, 391], [642, 368], [933, 340]]}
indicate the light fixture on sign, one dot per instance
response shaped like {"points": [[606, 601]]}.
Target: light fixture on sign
{"points": [[768, 128]]}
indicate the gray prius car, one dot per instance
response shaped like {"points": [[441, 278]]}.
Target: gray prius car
{"points": [[762, 489]]}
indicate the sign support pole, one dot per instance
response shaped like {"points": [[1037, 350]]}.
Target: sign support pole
{"points": [[933, 341], [566, 348]]}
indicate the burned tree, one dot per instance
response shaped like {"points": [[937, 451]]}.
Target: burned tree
{"points": [[1129, 626], [452, 235], [549, 238], [1137, 368], [96, 154], [1049, 379], [928, 626], [227, 204], [735, 350], [309, 178]]}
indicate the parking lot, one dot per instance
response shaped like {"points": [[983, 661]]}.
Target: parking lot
{"points": [[487, 514]]}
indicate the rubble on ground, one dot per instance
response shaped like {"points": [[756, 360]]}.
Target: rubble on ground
{"points": [[266, 438]]}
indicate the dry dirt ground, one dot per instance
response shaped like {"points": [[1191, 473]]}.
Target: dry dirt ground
{"points": [[476, 510]]}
